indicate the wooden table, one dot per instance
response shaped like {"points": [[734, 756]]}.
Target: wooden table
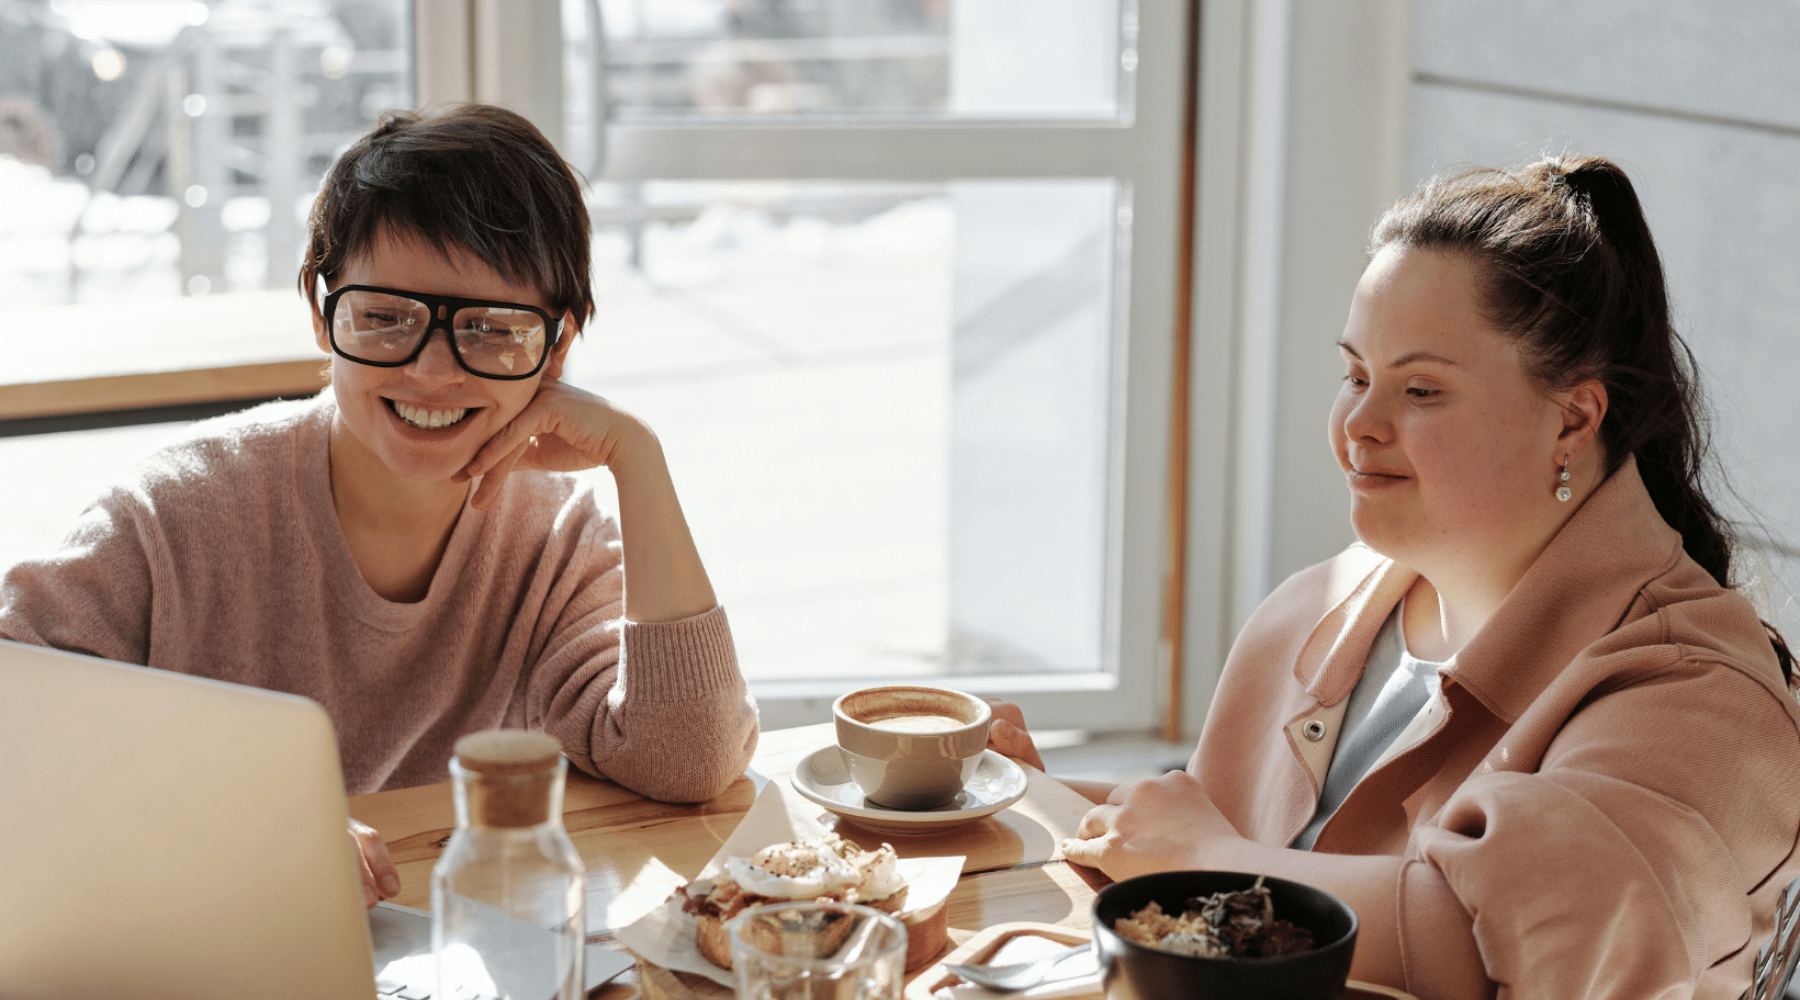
{"points": [[638, 851]]}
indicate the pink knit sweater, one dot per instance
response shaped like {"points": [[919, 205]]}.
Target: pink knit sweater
{"points": [[221, 555]]}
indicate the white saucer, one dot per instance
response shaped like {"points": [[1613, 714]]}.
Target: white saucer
{"points": [[823, 777]]}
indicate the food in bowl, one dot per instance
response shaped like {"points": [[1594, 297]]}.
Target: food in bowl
{"points": [[1238, 924], [1132, 970]]}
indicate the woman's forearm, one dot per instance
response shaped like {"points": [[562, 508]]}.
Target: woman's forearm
{"points": [[665, 580]]}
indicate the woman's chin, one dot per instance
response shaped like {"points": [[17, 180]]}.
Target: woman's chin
{"points": [[430, 459], [427, 469], [1381, 535], [376, 453]]}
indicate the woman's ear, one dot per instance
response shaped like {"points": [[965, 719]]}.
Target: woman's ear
{"points": [[553, 366], [1583, 410], [315, 303]]}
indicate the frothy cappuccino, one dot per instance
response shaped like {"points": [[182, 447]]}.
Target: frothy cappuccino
{"points": [[911, 746], [917, 723]]}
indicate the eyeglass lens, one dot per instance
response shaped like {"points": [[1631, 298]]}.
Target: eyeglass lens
{"points": [[384, 328]]}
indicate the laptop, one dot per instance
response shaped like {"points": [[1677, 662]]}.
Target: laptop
{"points": [[170, 836]]}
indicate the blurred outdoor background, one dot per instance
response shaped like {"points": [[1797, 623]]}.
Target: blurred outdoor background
{"points": [[991, 341]]}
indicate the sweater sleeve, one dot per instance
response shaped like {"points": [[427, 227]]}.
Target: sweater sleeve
{"points": [[659, 708], [1619, 868], [93, 595]]}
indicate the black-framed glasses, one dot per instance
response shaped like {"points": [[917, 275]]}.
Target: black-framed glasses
{"points": [[389, 327]]}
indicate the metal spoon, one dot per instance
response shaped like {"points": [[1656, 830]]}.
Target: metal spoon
{"points": [[1021, 976]]}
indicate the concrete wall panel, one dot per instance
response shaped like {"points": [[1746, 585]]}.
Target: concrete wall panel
{"points": [[1731, 59]]}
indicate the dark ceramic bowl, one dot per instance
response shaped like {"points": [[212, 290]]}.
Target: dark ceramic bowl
{"points": [[1131, 971]]}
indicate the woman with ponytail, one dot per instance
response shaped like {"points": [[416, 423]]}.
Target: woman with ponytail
{"points": [[1525, 726]]}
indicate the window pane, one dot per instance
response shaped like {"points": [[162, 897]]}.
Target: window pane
{"points": [[886, 406], [163, 148], [857, 59]]}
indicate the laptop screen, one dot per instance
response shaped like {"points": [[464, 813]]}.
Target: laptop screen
{"points": [[170, 836]]}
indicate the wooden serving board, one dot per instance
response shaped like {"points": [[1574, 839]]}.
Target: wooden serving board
{"points": [[982, 947], [657, 983]]}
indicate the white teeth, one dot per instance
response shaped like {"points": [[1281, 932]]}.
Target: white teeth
{"points": [[428, 419]]}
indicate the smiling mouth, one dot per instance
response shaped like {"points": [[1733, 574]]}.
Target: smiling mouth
{"points": [[425, 419], [1372, 477]]}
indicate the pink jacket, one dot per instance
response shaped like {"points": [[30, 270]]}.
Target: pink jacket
{"points": [[1608, 800]]}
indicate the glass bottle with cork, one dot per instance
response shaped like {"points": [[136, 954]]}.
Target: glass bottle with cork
{"points": [[509, 894]]}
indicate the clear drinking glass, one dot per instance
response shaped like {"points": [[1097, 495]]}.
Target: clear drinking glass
{"points": [[508, 896], [817, 951]]}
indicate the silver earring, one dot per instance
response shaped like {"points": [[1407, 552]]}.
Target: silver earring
{"points": [[1562, 492]]}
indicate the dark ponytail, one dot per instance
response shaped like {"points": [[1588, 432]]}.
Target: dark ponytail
{"points": [[1567, 267]]}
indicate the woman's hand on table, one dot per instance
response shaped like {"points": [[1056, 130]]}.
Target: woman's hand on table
{"points": [[1170, 824], [1162, 824], [380, 879]]}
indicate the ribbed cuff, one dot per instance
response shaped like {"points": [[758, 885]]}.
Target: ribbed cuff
{"points": [[674, 661]]}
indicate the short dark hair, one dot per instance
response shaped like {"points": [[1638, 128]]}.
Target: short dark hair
{"points": [[472, 176]]}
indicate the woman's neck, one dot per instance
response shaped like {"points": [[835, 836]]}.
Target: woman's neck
{"points": [[1441, 617], [397, 529], [1458, 591]]}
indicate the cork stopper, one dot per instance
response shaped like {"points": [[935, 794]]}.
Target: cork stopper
{"points": [[513, 776], [506, 752]]}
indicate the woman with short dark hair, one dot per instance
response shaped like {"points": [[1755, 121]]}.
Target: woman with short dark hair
{"points": [[1524, 726], [406, 548]]}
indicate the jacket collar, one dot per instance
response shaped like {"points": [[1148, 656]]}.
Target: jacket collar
{"points": [[1579, 589], [1363, 590]]}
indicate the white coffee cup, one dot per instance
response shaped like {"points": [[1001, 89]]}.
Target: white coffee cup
{"points": [[911, 746]]}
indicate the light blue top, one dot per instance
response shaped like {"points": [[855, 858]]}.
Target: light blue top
{"points": [[1393, 687]]}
